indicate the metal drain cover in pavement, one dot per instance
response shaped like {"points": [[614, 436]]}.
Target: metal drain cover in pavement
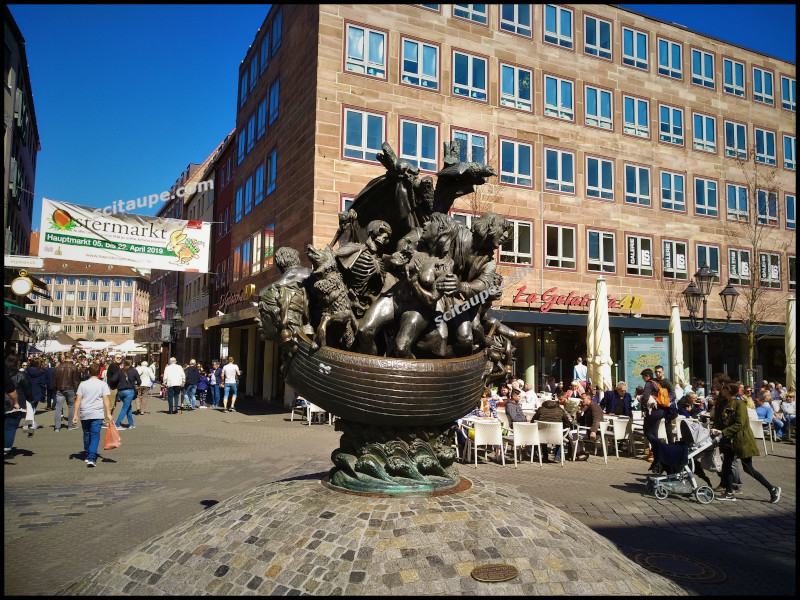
{"points": [[675, 566]]}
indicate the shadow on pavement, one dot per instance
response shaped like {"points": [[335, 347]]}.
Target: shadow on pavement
{"points": [[209, 503]]}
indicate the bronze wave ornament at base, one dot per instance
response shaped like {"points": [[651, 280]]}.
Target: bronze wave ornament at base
{"points": [[363, 333]]}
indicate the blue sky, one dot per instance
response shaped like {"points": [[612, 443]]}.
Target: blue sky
{"points": [[127, 95]]}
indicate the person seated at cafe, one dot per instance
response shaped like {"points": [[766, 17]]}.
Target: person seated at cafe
{"points": [[637, 397], [513, 408], [502, 396], [569, 405], [552, 411], [589, 415], [617, 401], [575, 390], [551, 387], [488, 406], [684, 409], [529, 397]]}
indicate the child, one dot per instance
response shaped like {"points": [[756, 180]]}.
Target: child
{"points": [[202, 388]]}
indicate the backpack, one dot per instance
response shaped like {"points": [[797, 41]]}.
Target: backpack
{"points": [[663, 395]]}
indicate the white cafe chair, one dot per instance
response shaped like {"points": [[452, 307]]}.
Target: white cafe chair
{"points": [[488, 435], [758, 426], [312, 411], [618, 430], [298, 409], [553, 433], [526, 434], [601, 438]]}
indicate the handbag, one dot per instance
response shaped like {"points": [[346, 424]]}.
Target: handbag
{"points": [[112, 439]]}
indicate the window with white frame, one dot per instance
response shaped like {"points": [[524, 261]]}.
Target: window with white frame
{"points": [[737, 202], [419, 64], [733, 77], [762, 86], [92, 296], [516, 163], [670, 59], [79, 328], [708, 255], [258, 185], [81, 295], [70, 295], [670, 124], [634, 48], [673, 191], [769, 265], [256, 245], [704, 133], [558, 98], [599, 178], [104, 296], [559, 170], [596, 37], [739, 266], [366, 51], [791, 264], [635, 116], [703, 68], [791, 218], [639, 256], [637, 185], [767, 208], [472, 12], [559, 247], [465, 219], [251, 132], [601, 256], [706, 202], [735, 140], [516, 87], [765, 147], [271, 171], [674, 260], [127, 297], [115, 296], [599, 110], [790, 152], [518, 249], [363, 134], [788, 93], [419, 144], [469, 76], [558, 26], [274, 95], [471, 146], [516, 18]]}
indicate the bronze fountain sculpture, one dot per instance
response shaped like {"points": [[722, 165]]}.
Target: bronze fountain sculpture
{"points": [[389, 331]]}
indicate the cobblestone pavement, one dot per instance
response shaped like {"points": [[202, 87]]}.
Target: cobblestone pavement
{"points": [[62, 520]]}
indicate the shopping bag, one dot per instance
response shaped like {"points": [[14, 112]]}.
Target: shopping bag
{"points": [[112, 439]]}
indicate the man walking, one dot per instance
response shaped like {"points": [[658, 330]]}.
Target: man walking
{"points": [[92, 403], [174, 379], [192, 379], [66, 380], [214, 382], [230, 377], [112, 376]]}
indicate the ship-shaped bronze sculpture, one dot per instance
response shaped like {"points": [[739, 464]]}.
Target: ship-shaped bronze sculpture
{"points": [[390, 329]]}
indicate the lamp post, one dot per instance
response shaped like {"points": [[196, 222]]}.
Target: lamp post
{"points": [[693, 294], [169, 335]]}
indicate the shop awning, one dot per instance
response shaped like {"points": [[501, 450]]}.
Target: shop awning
{"points": [[13, 309], [240, 317], [20, 332]]}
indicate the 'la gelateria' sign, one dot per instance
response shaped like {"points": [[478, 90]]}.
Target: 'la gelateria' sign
{"points": [[551, 298]]}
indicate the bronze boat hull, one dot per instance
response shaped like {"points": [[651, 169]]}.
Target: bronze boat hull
{"points": [[386, 391]]}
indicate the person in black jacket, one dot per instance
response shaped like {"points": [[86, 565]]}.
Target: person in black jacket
{"points": [[127, 380], [38, 380], [22, 387], [192, 379]]}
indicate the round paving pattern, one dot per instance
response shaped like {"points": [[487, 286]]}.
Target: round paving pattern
{"points": [[680, 567], [298, 537]]}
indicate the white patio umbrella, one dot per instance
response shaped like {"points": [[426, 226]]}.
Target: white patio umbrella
{"points": [[602, 338], [791, 345], [677, 345], [590, 342]]}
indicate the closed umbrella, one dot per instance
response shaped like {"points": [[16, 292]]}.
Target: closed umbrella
{"points": [[590, 342], [602, 338], [677, 345], [791, 346]]}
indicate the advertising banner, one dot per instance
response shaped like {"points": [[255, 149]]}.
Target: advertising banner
{"points": [[641, 352], [73, 232]]}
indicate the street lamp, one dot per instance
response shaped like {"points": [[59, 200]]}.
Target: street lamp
{"points": [[169, 335], [693, 295]]}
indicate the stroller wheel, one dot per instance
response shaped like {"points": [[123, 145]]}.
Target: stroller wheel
{"points": [[704, 494], [661, 492]]}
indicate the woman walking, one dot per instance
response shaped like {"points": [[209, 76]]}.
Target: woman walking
{"points": [[738, 441], [127, 379], [38, 380], [146, 375]]}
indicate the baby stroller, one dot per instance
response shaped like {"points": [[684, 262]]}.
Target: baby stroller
{"points": [[679, 464]]}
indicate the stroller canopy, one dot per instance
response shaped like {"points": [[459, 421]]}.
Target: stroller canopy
{"points": [[694, 433]]}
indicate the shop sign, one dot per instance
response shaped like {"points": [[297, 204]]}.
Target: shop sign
{"points": [[552, 297], [231, 298]]}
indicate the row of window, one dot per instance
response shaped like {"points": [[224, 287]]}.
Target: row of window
{"points": [[561, 253], [253, 255], [93, 296], [92, 313], [364, 132], [258, 121], [96, 281], [558, 29], [100, 329], [259, 185], [258, 62]]}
